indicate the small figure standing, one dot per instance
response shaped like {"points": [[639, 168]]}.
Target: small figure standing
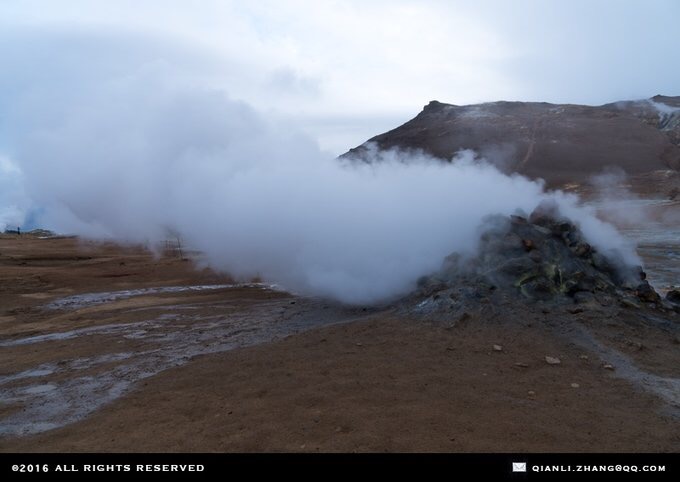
{"points": [[18, 230]]}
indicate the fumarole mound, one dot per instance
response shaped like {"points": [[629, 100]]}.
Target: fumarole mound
{"points": [[543, 258]]}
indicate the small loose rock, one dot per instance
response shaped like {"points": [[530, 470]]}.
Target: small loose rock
{"points": [[607, 366], [575, 385], [497, 348], [550, 360]]}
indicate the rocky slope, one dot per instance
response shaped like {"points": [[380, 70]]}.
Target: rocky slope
{"points": [[564, 144]]}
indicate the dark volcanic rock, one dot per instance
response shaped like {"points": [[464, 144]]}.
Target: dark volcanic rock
{"points": [[563, 144], [673, 296], [646, 293], [543, 258]]}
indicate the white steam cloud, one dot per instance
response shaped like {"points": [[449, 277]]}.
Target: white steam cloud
{"points": [[133, 153]]}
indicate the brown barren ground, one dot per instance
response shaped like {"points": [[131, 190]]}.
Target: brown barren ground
{"points": [[378, 382]]}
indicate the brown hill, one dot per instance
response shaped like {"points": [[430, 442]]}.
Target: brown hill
{"points": [[564, 144]]}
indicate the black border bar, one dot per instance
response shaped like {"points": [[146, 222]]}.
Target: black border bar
{"points": [[418, 466]]}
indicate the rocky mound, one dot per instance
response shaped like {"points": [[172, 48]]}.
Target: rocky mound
{"points": [[542, 258], [564, 144]]}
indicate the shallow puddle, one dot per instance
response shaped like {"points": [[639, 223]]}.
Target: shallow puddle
{"points": [[91, 299]]}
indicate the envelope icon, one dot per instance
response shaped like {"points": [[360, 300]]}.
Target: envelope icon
{"points": [[519, 466]]}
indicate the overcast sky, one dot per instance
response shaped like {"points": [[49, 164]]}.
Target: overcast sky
{"points": [[347, 70]]}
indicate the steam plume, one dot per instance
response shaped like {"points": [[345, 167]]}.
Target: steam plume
{"points": [[132, 153]]}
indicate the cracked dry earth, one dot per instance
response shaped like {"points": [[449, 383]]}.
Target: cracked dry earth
{"points": [[106, 348]]}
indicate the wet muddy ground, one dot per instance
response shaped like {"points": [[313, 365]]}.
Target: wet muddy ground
{"points": [[132, 335]]}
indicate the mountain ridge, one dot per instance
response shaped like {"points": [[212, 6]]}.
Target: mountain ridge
{"points": [[564, 144]]}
